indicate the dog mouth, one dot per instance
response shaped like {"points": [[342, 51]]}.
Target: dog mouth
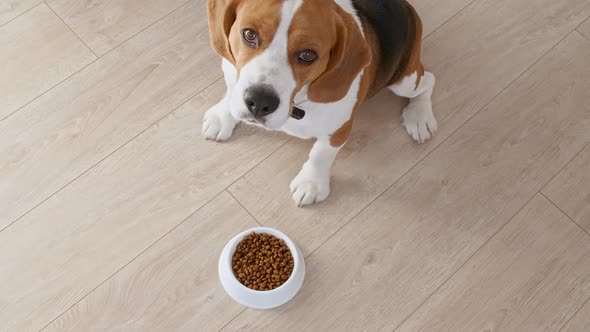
{"points": [[254, 121], [296, 113]]}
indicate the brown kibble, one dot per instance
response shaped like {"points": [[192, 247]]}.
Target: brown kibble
{"points": [[262, 262]]}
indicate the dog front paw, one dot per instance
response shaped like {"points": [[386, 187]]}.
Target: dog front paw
{"points": [[218, 124], [419, 121], [310, 187]]}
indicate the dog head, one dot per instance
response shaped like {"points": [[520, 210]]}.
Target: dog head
{"points": [[278, 47]]}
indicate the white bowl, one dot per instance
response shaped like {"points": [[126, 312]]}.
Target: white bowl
{"points": [[260, 299]]}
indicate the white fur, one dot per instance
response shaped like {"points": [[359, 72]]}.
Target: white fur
{"points": [[270, 67], [348, 7], [417, 116], [312, 184], [218, 123]]}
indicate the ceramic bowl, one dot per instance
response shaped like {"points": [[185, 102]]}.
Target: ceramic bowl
{"points": [[254, 298]]}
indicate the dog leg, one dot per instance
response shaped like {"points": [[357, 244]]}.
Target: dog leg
{"points": [[417, 116], [219, 123], [312, 184]]}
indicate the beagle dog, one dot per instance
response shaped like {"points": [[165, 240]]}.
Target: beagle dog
{"points": [[305, 66]]}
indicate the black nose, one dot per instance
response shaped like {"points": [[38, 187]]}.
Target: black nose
{"points": [[261, 100]]}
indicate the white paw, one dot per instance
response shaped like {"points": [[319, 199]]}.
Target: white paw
{"points": [[419, 121], [310, 186], [218, 124]]}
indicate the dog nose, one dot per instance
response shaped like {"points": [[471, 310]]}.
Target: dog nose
{"points": [[261, 100]]}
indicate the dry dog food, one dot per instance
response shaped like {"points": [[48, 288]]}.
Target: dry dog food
{"points": [[262, 262]]}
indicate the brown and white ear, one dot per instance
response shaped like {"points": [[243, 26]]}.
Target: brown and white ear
{"points": [[348, 57], [221, 15]]}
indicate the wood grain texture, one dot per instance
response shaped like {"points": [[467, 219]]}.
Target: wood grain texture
{"points": [[172, 286], [434, 13], [105, 24], [532, 276], [474, 56], [585, 28], [78, 238], [38, 51], [570, 190], [72, 127], [10, 9], [580, 322], [381, 266]]}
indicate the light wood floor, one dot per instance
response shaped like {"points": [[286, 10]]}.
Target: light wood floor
{"points": [[113, 210]]}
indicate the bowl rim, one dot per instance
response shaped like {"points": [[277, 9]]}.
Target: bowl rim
{"points": [[233, 244]]}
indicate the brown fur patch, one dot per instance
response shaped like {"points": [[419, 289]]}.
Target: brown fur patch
{"points": [[333, 34], [308, 31], [369, 87], [414, 60], [339, 137], [227, 20], [221, 15]]}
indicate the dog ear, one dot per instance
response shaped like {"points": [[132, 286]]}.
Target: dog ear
{"points": [[348, 57], [221, 15]]}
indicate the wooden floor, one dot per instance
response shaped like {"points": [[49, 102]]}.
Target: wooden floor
{"points": [[113, 210]]}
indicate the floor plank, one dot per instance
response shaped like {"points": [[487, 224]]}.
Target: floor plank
{"points": [[585, 28], [172, 287], [532, 276], [72, 127], [580, 322], [380, 267], [475, 55], [38, 51], [434, 13], [79, 237], [9, 9], [105, 24], [570, 190]]}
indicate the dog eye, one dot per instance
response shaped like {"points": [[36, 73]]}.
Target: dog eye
{"points": [[250, 37], [307, 57]]}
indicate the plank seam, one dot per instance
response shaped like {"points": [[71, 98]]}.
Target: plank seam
{"points": [[542, 191], [48, 89], [231, 320], [564, 213], [102, 56], [240, 203], [21, 14], [509, 85], [587, 20], [168, 232], [575, 313], [131, 261], [147, 27], [110, 154], [500, 93], [72, 30], [449, 19], [583, 35]]}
